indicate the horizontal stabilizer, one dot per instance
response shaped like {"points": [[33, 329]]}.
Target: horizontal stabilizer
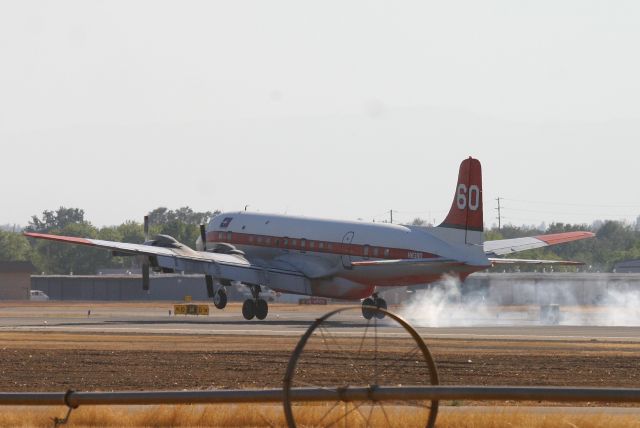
{"points": [[497, 261], [507, 246], [407, 262]]}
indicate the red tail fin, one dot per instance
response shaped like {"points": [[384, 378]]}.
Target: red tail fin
{"points": [[466, 209]]}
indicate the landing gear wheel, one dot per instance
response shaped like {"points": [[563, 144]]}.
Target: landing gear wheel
{"points": [[367, 308], [220, 298], [262, 309], [382, 304], [249, 309]]}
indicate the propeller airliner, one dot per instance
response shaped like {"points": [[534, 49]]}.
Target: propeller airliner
{"points": [[331, 258]]}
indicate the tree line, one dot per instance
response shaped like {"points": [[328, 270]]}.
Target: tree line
{"points": [[615, 241], [58, 258]]}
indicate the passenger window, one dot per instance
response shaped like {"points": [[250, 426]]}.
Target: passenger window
{"points": [[259, 239], [329, 246], [268, 241], [386, 252], [294, 243], [365, 251], [228, 236], [375, 252], [285, 242], [312, 244], [321, 245], [251, 239]]}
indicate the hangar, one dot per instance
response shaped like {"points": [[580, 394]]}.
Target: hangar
{"points": [[629, 266], [125, 287], [15, 280]]}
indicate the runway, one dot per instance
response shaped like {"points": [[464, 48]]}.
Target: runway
{"points": [[155, 350], [283, 320]]}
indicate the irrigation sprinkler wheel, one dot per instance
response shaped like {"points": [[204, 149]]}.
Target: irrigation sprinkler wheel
{"points": [[372, 352]]}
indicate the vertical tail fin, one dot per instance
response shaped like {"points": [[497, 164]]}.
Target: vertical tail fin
{"points": [[464, 223]]}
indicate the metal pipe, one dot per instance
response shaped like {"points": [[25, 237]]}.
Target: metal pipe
{"points": [[177, 397], [376, 393], [31, 398]]}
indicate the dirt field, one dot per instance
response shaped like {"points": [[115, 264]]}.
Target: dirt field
{"points": [[58, 361]]}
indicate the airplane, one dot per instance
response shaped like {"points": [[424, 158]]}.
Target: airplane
{"points": [[331, 258]]}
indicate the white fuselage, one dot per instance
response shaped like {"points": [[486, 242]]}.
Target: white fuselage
{"points": [[325, 250]]}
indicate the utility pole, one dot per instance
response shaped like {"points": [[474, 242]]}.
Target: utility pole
{"points": [[499, 213], [391, 212]]}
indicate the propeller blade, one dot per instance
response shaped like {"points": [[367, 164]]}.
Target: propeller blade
{"points": [[145, 276], [209, 280], [146, 228], [203, 237]]}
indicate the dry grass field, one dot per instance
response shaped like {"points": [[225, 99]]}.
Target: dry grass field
{"points": [[272, 416]]}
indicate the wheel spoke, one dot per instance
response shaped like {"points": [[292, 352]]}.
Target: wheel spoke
{"points": [[394, 362], [341, 351], [355, 407], [371, 408], [336, 404], [364, 336], [385, 415], [361, 415], [375, 352]]}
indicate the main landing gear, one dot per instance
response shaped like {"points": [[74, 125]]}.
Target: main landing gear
{"points": [[373, 302], [255, 307]]}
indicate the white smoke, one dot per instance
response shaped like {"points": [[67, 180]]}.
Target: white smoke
{"points": [[616, 308], [444, 305]]}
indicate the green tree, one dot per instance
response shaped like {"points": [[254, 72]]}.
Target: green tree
{"points": [[59, 258], [183, 224], [58, 219], [614, 242], [14, 247]]}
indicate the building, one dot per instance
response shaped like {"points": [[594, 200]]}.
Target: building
{"points": [[550, 288], [492, 288], [126, 287], [629, 266], [15, 280]]}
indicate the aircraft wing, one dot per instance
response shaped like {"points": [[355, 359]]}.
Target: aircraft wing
{"points": [[184, 259], [507, 246]]}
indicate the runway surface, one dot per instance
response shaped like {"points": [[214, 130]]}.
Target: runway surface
{"points": [[283, 320]]}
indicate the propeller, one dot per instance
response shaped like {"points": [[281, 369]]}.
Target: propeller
{"points": [[145, 262], [207, 278]]}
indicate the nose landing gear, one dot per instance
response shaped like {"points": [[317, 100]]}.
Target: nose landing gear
{"points": [[374, 301], [220, 298], [255, 307]]}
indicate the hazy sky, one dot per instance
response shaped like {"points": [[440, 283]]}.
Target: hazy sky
{"points": [[328, 108]]}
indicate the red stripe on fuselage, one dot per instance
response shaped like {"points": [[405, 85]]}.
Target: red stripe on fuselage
{"points": [[316, 246]]}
